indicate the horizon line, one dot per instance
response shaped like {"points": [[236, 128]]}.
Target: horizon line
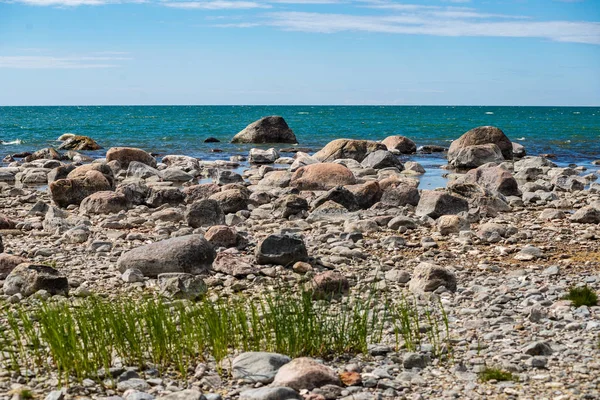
{"points": [[295, 105]]}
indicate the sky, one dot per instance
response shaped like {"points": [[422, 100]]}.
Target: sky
{"points": [[205, 52]]}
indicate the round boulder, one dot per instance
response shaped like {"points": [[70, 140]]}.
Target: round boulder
{"points": [[348, 148], [401, 144], [125, 155], [271, 129], [483, 135], [323, 176]]}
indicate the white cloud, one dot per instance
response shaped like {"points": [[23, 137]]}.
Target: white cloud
{"points": [[216, 5], [53, 62]]}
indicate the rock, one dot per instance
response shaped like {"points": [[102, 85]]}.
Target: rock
{"points": [[381, 159], [518, 150], [255, 366], [181, 286], [279, 179], [529, 253], [301, 267], [567, 183], [538, 349], [270, 393], [6, 223], [211, 139], [281, 249], [415, 360], [65, 192], [81, 171], [271, 129], [136, 193], [132, 275], [225, 177], [414, 167], [402, 221], [328, 284], [305, 373], [186, 394], [79, 234], [60, 172], [550, 213], [302, 160], [125, 155], [134, 384], [348, 148], [395, 275], [491, 177], [105, 202], [234, 265], [428, 277], [291, 205], [586, 215], [188, 254], [231, 200], [222, 236], [138, 170], [475, 156], [258, 156], [366, 194], [8, 262], [48, 153], [435, 204], [452, 224], [185, 163], [400, 143], [200, 192], [339, 195], [175, 175], [482, 135], [400, 196], [27, 279], [204, 213], [160, 195], [492, 232], [78, 142], [323, 176]]}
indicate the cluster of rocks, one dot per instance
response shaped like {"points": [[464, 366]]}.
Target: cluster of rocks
{"points": [[499, 247]]}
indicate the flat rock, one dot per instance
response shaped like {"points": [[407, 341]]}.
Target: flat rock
{"points": [[28, 278], [305, 373], [258, 366]]}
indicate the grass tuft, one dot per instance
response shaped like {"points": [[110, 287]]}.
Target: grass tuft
{"points": [[495, 374], [582, 296]]}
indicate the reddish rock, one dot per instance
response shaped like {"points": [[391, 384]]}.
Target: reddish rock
{"points": [[366, 194], [8, 262], [72, 191], [482, 135], [125, 155], [400, 143], [222, 236], [200, 192], [234, 265], [351, 378], [329, 283], [6, 223], [305, 373], [105, 202], [322, 177], [348, 148], [79, 172]]}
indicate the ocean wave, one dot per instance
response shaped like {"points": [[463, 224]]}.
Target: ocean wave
{"points": [[16, 141], [521, 138], [303, 112], [489, 113]]}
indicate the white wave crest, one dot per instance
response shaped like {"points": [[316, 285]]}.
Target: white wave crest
{"points": [[16, 141]]}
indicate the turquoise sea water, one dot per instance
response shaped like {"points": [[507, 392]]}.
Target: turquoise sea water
{"points": [[573, 134]]}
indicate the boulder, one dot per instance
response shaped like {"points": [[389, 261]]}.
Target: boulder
{"points": [[305, 373], [452, 224], [185, 163], [291, 205], [475, 156], [60, 172], [348, 148], [435, 204], [28, 278], [323, 176], [200, 192], [281, 249], [427, 277], [7, 223], [222, 236], [279, 179], [189, 254], [160, 195], [135, 192], [340, 195], [301, 160], [400, 196], [48, 153], [518, 150], [139, 170], [33, 176], [226, 177], [259, 156], [271, 129], [65, 192], [105, 202], [401, 144], [175, 175], [415, 167], [8, 262], [491, 177], [78, 142], [482, 135], [234, 265], [81, 171], [328, 284], [231, 200], [181, 286], [586, 215], [270, 393], [366, 194], [205, 212], [125, 155], [381, 159], [257, 366]]}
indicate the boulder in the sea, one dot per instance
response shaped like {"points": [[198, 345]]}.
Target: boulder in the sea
{"points": [[260, 156], [27, 279], [271, 129], [348, 148], [427, 277], [125, 155], [205, 212], [281, 249], [482, 135], [400, 144], [48, 153], [322, 176], [78, 142], [190, 254], [518, 150], [436, 203], [65, 192], [379, 159], [475, 156], [105, 202], [305, 373]]}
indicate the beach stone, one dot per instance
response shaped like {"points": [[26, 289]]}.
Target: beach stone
{"points": [[257, 366], [415, 360], [132, 275], [60, 172], [475, 156], [427, 277], [281, 249], [135, 192], [78, 142], [397, 180], [160, 195], [206, 212], [396, 275], [7, 223], [279, 179], [8, 262], [175, 175], [138, 170], [291, 205], [271, 129], [340, 195], [105, 202], [79, 234], [322, 176], [366, 194], [436, 203], [186, 394], [81, 171], [348, 148], [529, 253], [492, 177], [133, 383], [259, 156], [550, 213], [381, 159], [401, 144], [125, 155], [480, 136], [327, 284], [222, 236], [189, 254], [568, 183], [185, 163], [33, 176], [414, 166], [302, 159], [402, 221], [181, 285], [225, 177], [28, 278], [270, 393], [400, 196], [231, 200], [234, 265], [492, 232], [587, 215], [538, 349], [305, 373], [200, 192], [48, 153], [452, 224], [65, 192], [518, 150]]}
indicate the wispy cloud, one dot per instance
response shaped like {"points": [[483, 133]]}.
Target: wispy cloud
{"points": [[74, 3], [216, 5], [53, 62]]}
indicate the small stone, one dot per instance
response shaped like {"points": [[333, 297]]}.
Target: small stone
{"points": [[415, 360], [132, 275]]}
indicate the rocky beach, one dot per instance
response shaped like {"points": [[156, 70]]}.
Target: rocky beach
{"points": [[496, 253]]}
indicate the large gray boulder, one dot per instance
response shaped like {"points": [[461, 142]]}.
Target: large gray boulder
{"points": [[271, 129], [190, 254], [204, 213], [29, 278], [435, 204], [482, 135], [381, 159], [281, 249], [258, 366], [475, 156], [400, 196], [491, 177], [125, 155], [348, 148]]}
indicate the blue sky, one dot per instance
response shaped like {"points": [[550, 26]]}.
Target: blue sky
{"points": [[458, 52]]}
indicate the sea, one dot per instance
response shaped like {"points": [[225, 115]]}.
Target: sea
{"points": [[571, 134]]}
